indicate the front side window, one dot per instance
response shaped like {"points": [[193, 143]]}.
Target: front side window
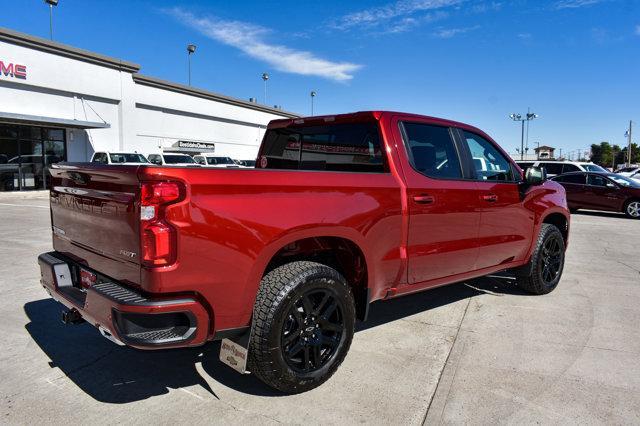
{"points": [[596, 180], [432, 151], [349, 147], [488, 162], [100, 158]]}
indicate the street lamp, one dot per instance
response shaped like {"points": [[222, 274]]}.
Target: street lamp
{"points": [[191, 48], [313, 95], [265, 77], [518, 117], [51, 3]]}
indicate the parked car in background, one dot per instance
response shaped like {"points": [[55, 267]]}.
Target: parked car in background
{"points": [[172, 159], [343, 211], [248, 163], [555, 168], [103, 157], [601, 191], [209, 160], [629, 171]]}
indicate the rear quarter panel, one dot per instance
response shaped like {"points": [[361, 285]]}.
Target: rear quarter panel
{"points": [[235, 220]]}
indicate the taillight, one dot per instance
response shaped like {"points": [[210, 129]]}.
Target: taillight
{"points": [[158, 237]]}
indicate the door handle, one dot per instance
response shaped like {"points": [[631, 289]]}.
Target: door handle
{"points": [[424, 199], [490, 198]]}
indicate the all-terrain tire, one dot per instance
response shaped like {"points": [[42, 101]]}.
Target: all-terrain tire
{"points": [[289, 315], [547, 262]]}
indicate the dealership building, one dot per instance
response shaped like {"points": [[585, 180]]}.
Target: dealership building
{"points": [[60, 103]]}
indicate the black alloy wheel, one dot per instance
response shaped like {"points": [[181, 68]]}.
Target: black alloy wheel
{"points": [[551, 258], [313, 330]]}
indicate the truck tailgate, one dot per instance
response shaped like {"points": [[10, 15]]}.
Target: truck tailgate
{"points": [[95, 217]]}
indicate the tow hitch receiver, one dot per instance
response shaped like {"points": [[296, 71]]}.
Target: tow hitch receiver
{"points": [[72, 316], [235, 354]]}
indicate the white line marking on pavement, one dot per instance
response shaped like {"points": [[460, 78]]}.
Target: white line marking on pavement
{"points": [[192, 393], [23, 205]]}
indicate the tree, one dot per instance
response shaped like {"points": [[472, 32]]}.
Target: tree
{"points": [[603, 154]]}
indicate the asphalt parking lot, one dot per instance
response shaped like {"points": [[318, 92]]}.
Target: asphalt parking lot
{"points": [[476, 352]]}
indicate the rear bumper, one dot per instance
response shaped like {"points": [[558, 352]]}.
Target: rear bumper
{"points": [[123, 315]]}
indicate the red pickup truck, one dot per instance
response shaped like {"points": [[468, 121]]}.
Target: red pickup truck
{"points": [[339, 212]]}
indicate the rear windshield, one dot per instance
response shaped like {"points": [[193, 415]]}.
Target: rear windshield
{"points": [[348, 147], [127, 158], [176, 159]]}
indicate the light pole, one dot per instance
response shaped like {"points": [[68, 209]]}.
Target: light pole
{"points": [[265, 77], [313, 95], [518, 117], [51, 3], [191, 49]]}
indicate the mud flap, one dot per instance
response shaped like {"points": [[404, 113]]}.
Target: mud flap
{"points": [[235, 353]]}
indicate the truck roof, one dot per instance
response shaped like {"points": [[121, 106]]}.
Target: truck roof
{"points": [[366, 116]]}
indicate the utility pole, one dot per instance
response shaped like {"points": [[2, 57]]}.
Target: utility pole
{"points": [[313, 95], [560, 152]]}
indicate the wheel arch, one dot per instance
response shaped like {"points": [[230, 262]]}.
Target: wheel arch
{"points": [[340, 248]]}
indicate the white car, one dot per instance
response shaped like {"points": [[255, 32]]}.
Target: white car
{"points": [[209, 160], [555, 168], [633, 171], [172, 159], [120, 158]]}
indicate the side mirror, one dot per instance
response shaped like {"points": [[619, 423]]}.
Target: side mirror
{"points": [[535, 175]]}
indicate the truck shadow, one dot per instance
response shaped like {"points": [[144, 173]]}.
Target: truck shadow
{"points": [[117, 375]]}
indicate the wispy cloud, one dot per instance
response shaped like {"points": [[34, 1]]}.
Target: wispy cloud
{"points": [[452, 32], [251, 40], [392, 14], [574, 4]]}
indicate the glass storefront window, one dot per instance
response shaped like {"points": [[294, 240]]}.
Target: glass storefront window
{"points": [[26, 152]]}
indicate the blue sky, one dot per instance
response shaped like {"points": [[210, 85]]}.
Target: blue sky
{"points": [[574, 62]]}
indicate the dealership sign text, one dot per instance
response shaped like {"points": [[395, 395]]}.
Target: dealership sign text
{"points": [[13, 70]]}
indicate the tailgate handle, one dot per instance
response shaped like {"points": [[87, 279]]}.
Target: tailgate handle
{"points": [[490, 198], [424, 199]]}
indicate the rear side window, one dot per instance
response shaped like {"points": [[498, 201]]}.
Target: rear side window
{"points": [[552, 168], [348, 147], [488, 162], [578, 179], [432, 150], [566, 168]]}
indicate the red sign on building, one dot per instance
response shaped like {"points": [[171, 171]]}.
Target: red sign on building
{"points": [[13, 70]]}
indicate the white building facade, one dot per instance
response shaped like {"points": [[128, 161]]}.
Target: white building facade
{"points": [[61, 103]]}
